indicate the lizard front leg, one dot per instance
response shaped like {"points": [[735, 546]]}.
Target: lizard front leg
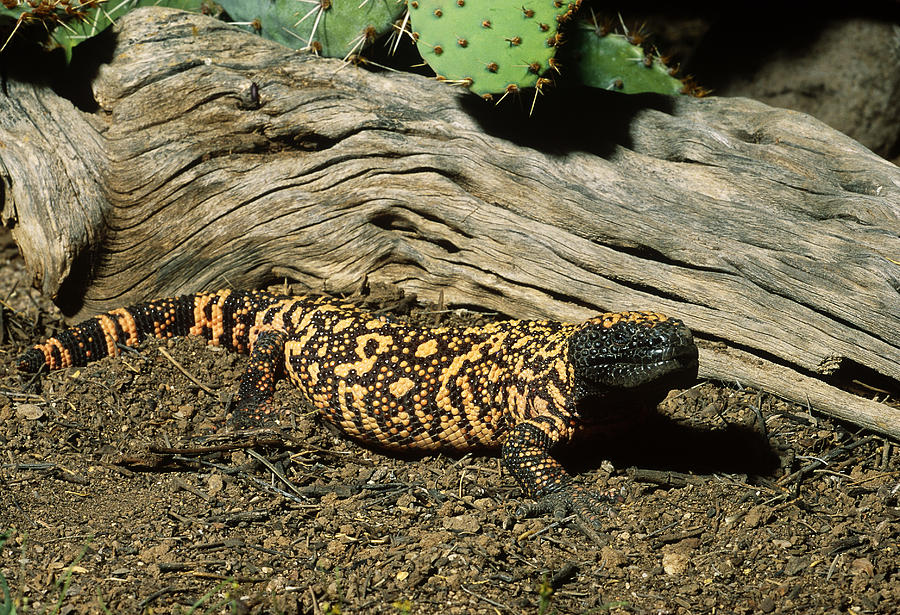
{"points": [[254, 406], [526, 454]]}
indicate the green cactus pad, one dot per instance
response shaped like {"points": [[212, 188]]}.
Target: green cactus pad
{"points": [[332, 28], [491, 46], [80, 22], [609, 61]]}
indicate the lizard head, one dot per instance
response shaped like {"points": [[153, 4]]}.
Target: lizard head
{"points": [[626, 350]]}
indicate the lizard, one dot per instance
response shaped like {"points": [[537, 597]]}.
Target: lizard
{"points": [[520, 386]]}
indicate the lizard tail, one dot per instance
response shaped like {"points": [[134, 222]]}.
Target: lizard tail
{"points": [[224, 318]]}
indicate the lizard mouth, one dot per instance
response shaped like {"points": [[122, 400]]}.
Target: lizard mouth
{"points": [[676, 356], [626, 372]]}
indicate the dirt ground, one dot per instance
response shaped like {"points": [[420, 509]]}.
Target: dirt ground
{"points": [[112, 500]]}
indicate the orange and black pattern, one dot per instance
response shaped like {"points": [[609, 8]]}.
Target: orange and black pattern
{"points": [[514, 385]]}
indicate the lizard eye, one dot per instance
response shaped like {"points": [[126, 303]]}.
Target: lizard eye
{"points": [[621, 336]]}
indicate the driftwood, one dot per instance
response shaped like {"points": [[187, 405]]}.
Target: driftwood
{"points": [[773, 236]]}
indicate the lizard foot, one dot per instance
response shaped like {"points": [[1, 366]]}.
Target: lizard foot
{"points": [[588, 507], [252, 413]]}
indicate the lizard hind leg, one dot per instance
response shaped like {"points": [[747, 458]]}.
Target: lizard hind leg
{"points": [[254, 405]]}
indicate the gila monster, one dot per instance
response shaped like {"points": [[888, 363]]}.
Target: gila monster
{"points": [[516, 385]]}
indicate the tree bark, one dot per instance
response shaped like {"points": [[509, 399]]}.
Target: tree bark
{"points": [[773, 236]]}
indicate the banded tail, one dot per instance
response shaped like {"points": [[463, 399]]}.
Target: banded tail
{"points": [[224, 318]]}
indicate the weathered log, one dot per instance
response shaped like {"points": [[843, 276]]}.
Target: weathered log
{"points": [[762, 228]]}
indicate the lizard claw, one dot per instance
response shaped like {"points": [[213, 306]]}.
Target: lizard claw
{"points": [[589, 507]]}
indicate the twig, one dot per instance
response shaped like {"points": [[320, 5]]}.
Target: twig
{"points": [[546, 528], [562, 575], [259, 483], [184, 371], [255, 432], [499, 605], [54, 470], [757, 409], [237, 578], [218, 448], [824, 459], [28, 466], [162, 592], [679, 536], [662, 529], [665, 478], [274, 470], [315, 603], [832, 567], [17, 394], [183, 566], [184, 486]]}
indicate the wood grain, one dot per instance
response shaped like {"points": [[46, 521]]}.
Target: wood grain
{"points": [[762, 228]]}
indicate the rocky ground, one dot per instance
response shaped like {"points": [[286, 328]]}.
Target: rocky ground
{"points": [[113, 501]]}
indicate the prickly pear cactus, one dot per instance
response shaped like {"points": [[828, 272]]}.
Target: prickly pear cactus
{"points": [[70, 22], [596, 57], [489, 46], [333, 28]]}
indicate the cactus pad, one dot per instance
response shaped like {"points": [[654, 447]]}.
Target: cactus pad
{"points": [[609, 61], [71, 22], [332, 28], [491, 46]]}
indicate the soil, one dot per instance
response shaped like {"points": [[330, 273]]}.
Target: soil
{"points": [[113, 500]]}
